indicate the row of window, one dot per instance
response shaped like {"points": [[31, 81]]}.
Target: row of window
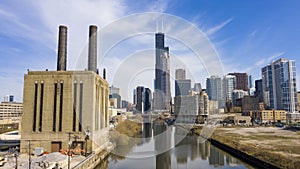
{"points": [[55, 106], [58, 109]]}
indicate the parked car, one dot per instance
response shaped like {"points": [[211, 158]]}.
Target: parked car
{"points": [[2, 161]]}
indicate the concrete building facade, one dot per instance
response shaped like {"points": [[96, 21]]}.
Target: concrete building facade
{"points": [[59, 102], [238, 94], [269, 116], [63, 108], [242, 81], [11, 110], [187, 108]]}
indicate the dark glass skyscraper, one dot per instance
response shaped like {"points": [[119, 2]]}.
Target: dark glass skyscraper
{"points": [[162, 73], [143, 99]]}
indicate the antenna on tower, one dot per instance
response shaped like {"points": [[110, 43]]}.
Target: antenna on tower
{"points": [[156, 26], [162, 25]]}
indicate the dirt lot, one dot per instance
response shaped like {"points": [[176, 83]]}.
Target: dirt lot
{"points": [[277, 146]]}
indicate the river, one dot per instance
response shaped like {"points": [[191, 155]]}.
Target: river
{"points": [[164, 147]]}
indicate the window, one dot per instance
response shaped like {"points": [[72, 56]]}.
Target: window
{"points": [[35, 106], [54, 107], [41, 107], [61, 105], [74, 105], [80, 105]]}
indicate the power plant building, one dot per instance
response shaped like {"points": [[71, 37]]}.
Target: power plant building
{"points": [[61, 104]]}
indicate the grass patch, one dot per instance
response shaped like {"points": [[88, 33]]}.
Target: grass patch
{"points": [[272, 156], [130, 128]]}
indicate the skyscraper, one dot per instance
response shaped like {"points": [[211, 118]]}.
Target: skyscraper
{"points": [[180, 74], [242, 81], [229, 84], [259, 90], [279, 85], [250, 81], [143, 99], [214, 90], [162, 72], [9, 98], [114, 92], [197, 87], [182, 85]]}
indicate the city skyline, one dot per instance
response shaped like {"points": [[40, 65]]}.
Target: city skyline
{"points": [[246, 40]]}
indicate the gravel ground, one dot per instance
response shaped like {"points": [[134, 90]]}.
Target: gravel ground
{"points": [[47, 161]]}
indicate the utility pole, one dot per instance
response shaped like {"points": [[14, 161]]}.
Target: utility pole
{"points": [[29, 149], [86, 138], [16, 155], [69, 146]]}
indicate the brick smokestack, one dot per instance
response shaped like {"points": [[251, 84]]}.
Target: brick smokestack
{"points": [[62, 48], [92, 55], [104, 74]]}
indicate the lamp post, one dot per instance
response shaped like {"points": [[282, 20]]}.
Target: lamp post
{"points": [[86, 138], [69, 147], [15, 152]]}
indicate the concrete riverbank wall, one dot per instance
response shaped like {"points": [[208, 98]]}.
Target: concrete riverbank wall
{"points": [[242, 156], [96, 158]]}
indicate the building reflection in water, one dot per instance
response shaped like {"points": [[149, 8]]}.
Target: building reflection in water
{"points": [[231, 161], [188, 148], [205, 150], [103, 164], [146, 132], [162, 144], [216, 157]]}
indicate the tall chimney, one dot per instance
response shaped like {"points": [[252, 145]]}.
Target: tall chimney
{"points": [[104, 74], [92, 56], [62, 48]]}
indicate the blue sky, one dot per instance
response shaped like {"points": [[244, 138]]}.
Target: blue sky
{"points": [[247, 35]]}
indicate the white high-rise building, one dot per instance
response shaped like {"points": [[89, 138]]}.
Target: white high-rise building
{"points": [[214, 90], [229, 84], [279, 85]]}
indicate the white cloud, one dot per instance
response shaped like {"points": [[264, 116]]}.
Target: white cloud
{"points": [[77, 16], [267, 60], [217, 27], [158, 6], [253, 33]]}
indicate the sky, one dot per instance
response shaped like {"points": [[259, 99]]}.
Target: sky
{"points": [[243, 36]]}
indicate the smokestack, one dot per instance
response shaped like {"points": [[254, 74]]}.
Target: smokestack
{"points": [[104, 74], [62, 48], [92, 56]]}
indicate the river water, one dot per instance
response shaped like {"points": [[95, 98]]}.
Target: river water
{"points": [[186, 151]]}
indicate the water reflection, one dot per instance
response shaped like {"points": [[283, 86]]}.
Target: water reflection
{"points": [[189, 151]]}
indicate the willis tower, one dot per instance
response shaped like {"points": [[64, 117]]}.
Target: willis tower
{"points": [[162, 94]]}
